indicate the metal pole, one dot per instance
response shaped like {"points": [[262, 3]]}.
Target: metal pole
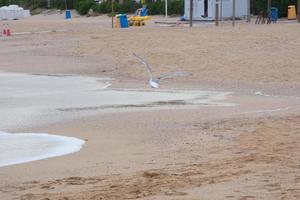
{"points": [[166, 8], [112, 13], [233, 12], [191, 13], [221, 11], [217, 13], [249, 11], [298, 10]]}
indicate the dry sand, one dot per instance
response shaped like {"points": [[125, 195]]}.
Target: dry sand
{"points": [[250, 151]]}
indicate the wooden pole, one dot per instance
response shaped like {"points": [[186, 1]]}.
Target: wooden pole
{"points": [[233, 12], [191, 13], [269, 6], [217, 13], [298, 10], [66, 5]]}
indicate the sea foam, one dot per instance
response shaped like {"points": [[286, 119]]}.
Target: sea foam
{"points": [[26, 147]]}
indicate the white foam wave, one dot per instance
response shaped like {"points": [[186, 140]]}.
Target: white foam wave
{"points": [[26, 147]]}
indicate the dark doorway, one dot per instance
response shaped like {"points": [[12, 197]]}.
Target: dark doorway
{"points": [[205, 8]]}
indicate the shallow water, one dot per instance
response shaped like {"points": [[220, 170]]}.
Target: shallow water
{"points": [[33, 100], [28, 100]]}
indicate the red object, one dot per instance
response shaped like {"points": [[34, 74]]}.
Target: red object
{"points": [[4, 30], [8, 33]]}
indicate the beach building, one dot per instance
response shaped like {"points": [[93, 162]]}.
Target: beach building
{"points": [[205, 9]]}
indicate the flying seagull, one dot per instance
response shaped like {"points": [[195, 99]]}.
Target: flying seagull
{"points": [[154, 82]]}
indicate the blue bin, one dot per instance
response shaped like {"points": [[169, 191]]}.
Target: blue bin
{"points": [[123, 21], [68, 14], [274, 14]]}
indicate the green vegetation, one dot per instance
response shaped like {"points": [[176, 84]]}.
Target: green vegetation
{"points": [[175, 7], [83, 6], [282, 5], [126, 7], [32, 4], [155, 8]]}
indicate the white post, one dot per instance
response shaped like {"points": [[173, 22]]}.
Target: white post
{"points": [[166, 8]]}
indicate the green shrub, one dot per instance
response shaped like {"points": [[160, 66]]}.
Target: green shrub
{"points": [[105, 7], [102, 8], [32, 4], [128, 7], [156, 8], [9, 2], [176, 7], [60, 4], [83, 6], [282, 5]]}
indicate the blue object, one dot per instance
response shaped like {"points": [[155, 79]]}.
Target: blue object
{"points": [[274, 14], [182, 18], [123, 21], [68, 14], [142, 12]]}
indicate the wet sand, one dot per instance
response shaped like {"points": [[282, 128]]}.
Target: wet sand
{"points": [[247, 151]]}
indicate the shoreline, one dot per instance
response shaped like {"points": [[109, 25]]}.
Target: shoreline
{"points": [[156, 159]]}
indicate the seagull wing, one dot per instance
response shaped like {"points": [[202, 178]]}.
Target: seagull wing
{"points": [[149, 70], [174, 74]]}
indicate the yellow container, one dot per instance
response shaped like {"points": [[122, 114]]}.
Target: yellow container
{"points": [[117, 22], [292, 12]]}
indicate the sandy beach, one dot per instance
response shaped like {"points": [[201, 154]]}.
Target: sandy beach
{"points": [[142, 143]]}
